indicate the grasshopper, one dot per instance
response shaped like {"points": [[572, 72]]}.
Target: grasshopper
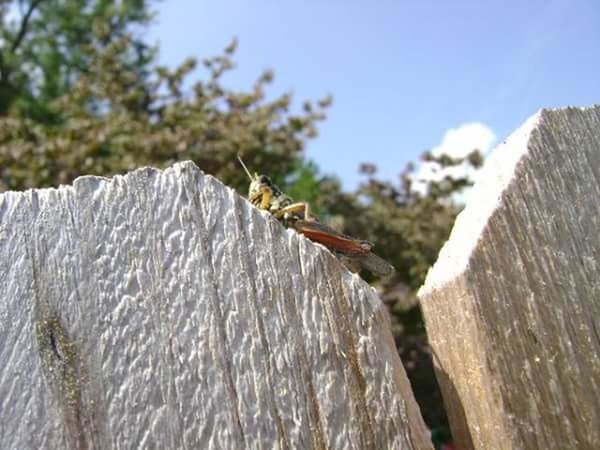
{"points": [[265, 194]]}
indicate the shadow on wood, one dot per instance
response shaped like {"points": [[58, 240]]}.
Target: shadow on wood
{"points": [[456, 415]]}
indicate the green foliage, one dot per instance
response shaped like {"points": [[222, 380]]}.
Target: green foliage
{"points": [[45, 48], [304, 184], [112, 120], [408, 227]]}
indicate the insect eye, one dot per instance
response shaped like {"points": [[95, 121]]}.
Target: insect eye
{"points": [[263, 179]]}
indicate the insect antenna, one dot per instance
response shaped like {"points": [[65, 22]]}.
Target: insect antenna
{"points": [[245, 168]]}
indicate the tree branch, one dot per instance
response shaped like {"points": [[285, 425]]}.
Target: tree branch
{"points": [[2, 68], [24, 23]]}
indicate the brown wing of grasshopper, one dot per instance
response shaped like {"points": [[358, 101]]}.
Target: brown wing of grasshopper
{"points": [[354, 249]]}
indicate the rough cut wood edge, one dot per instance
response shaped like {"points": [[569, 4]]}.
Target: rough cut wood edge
{"points": [[161, 310], [512, 306]]}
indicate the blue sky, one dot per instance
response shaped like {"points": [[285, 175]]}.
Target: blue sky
{"points": [[406, 76]]}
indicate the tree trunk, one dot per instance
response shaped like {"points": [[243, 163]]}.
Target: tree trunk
{"points": [[162, 310], [512, 306]]}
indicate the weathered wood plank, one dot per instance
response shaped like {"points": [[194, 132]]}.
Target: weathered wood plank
{"points": [[161, 310], [512, 306]]}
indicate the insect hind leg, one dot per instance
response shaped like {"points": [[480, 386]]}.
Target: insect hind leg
{"points": [[301, 209]]}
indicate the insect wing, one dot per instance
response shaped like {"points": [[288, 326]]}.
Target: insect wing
{"points": [[331, 239], [375, 264], [359, 251]]}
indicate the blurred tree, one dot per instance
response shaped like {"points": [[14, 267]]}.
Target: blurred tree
{"points": [[116, 115], [44, 42]]}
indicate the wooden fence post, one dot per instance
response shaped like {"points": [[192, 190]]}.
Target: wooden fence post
{"points": [[161, 310], [512, 306]]}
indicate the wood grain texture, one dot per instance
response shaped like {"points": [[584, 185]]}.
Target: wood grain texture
{"points": [[512, 306], [161, 310]]}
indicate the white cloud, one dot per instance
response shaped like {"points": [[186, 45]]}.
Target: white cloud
{"points": [[457, 142], [461, 141]]}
